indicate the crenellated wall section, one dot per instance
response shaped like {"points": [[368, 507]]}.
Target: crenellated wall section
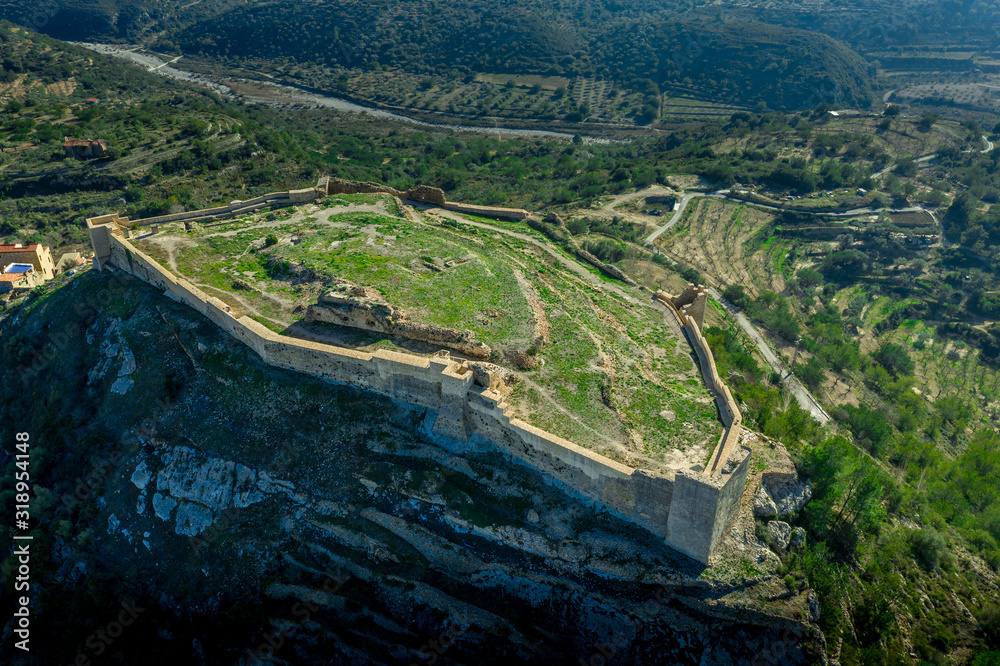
{"points": [[689, 510]]}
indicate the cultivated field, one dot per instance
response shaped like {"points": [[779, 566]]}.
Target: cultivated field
{"points": [[725, 241]]}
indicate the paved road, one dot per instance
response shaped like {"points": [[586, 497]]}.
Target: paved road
{"points": [[919, 160], [802, 395], [685, 200]]}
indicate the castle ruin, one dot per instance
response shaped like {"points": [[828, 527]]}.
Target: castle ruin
{"points": [[689, 509]]}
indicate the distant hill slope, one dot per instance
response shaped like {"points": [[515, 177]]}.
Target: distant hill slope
{"points": [[110, 20], [742, 62], [625, 41]]}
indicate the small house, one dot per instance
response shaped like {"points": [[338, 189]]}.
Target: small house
{"points": [[14, 282], [35, 255]]}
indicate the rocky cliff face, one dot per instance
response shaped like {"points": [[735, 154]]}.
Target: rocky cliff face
{"points": [[259, 516]]}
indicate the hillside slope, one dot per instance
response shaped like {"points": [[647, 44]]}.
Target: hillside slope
{"points": [[741, 63], [233, 502]]}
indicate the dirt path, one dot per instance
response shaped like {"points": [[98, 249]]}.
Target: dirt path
{"points": [[542, 326], [609, 210], [652, 190], [377, 209], [570, 264], [169, 244], [245, 305], [802, 396], [724, 194]]}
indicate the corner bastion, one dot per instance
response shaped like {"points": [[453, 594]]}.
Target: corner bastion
{"points": [[690, 509]]}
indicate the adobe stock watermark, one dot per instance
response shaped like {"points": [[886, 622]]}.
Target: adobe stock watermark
{"points": [[63, 337], [85, 487], [351, 51], [302, 610], [783, 651], [604, 654], [435, 648], [101, 640], [826, 92], [690, 49], [904, 19]]}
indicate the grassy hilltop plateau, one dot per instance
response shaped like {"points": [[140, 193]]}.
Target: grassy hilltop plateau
{"points": [[829, 171], [604, 389]]}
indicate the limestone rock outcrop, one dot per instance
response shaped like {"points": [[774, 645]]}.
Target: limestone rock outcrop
{"points": [[798, 540], [781, 532], [355, 306], [763, 506], [790, 494], [199, 488]]}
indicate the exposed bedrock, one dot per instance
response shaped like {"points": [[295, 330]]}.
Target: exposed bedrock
{"points": [[363, 307]]}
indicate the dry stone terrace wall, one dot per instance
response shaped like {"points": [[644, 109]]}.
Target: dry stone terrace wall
{"points": [[689, 510]]}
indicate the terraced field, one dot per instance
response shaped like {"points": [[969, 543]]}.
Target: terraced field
{"points": [[599, 364], [724, 241], [951, 369], [500, 95]]}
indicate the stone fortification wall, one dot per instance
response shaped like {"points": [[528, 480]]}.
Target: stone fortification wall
{"points": [[422, 193], [555, 230], [607, 269], [703, 506], [690, 512], [636, 495], [272, 200], [711, 497], [487, 211], [689, 310]]}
